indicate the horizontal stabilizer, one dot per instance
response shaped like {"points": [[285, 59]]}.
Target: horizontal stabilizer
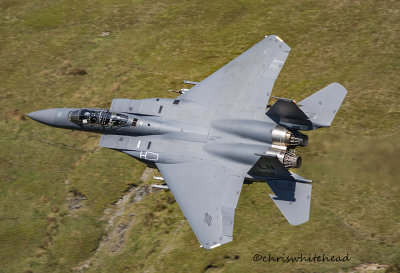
{"points": [[321, 107], [293, 200], [316, 111], [292, 193], [298, 178]]}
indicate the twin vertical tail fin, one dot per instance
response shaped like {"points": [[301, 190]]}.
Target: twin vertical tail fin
{"points": [[315, 111]]}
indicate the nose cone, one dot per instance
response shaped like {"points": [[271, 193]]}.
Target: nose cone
{"points": [[43, 116], [54, 117]]}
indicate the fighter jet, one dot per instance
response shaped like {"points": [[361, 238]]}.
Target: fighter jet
{"points": [[216, 136]]}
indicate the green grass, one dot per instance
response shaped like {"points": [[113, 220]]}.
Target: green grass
{"points": [[152, 47]]}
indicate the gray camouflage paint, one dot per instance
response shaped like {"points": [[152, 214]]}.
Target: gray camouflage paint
{"points": [[211, 139]]}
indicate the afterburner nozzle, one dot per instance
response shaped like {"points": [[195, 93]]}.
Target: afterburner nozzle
{"points": [[288, 158], [291, 160], [298, 139], [284, 137]]}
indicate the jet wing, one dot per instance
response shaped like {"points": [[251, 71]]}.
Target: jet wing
{"points": [[244, 84], [207, 193]]}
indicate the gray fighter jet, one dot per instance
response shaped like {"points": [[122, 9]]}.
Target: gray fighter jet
{"points": [[216, 136]]}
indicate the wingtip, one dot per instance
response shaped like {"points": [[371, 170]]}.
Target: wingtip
{"points": [[214, 246], [272, 36], [275, 38], [210, 247], [339, 87]]}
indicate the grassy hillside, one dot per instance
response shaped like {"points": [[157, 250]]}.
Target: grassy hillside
{"points": [[60, 195]]}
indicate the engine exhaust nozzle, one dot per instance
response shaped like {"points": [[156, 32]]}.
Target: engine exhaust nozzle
{"points": [[291, 160], [298, 139], [288, 158], [283, 137]]}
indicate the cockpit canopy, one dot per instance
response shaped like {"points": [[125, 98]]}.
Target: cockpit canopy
{"points": [[98, 117]]}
